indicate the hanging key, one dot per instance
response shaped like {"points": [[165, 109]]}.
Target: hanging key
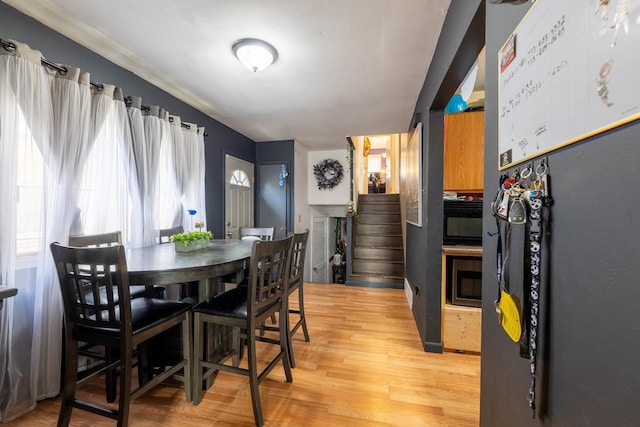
{"points": [[517, 210], [541, 172], [500, 206]]}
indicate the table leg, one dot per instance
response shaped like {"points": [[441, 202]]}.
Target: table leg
{"points": [[207, 289]]}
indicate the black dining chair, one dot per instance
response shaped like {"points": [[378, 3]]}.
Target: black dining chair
{"points": [[249, 233], [113, 238], [262, 233], [244, 310], [164, 234], [296, 282], [117, 322], [89, 349]]}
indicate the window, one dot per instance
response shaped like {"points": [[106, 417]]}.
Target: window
{"points": [[240, 178], [30, 178]]}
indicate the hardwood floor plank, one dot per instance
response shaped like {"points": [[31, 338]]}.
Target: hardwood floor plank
{"points": [[364, 366]]}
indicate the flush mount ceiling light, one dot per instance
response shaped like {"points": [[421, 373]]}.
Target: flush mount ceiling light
{"points": [[254, 54]]}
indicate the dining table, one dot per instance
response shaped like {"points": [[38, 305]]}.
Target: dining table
{"points": [[205, 268], [160, 264], [6, 292]]}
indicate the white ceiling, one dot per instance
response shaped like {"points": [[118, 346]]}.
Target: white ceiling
{"points": [[345, 67]]}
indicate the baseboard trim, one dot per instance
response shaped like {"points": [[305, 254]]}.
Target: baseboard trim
{"points": [[432, 347], [367, 284]]}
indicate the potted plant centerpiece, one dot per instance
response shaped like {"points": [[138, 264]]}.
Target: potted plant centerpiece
{"points": [[191, 240]]}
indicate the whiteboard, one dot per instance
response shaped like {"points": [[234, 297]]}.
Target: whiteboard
{"points": [[570, 70]]}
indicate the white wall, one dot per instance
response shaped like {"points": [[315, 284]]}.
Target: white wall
{"points": [[329, 202], [302, 216], [339, 195], [301, 211]]}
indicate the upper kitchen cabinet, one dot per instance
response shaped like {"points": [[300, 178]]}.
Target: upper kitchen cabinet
{"points": [[464, 152]]}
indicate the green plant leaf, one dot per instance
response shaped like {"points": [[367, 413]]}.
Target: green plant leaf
{"points": [[190, 236]]}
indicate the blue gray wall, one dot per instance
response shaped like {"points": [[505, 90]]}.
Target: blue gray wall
{"points": [[277, 152], [461, 39], [221, 140], [590, 335], [589, 373]]}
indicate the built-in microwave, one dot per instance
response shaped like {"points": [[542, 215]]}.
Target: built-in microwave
{"points": [[464, 280], [462, 222]]}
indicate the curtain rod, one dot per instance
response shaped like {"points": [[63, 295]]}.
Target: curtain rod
{"points": [[129, 100], [10, 47]]}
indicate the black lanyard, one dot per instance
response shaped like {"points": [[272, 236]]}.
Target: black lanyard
{"points": [[535, 242]]}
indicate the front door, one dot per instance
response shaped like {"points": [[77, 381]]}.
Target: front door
{"points": [[239, 179]]}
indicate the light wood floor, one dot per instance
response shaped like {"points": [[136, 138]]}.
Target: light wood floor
{"points": [[364, 366]]}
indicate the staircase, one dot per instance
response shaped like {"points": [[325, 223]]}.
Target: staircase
{"points": [[378, 256]]}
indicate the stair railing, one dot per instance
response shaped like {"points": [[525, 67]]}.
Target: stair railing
{"points": [[349, 247]]}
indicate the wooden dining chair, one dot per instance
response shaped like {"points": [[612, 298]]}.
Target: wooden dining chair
{"points": [[244, 310], [117, 322], [296, 281], [92, 350], [249, 233], [262, 233], [165, 233], [110, 239]]}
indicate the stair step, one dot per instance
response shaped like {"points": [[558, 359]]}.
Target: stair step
{"points": [[377, 277], [379, 198], [389, 268], [378, 240], [379, 218], [377, 281], [378, 253], [378, 256], [378, 208], [381, 229]]}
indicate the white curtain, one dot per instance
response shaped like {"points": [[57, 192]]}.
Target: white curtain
{"points": [[71, 162], [105, 202], [183, 156], [64, 154], [143, 162], [168, 209], [153, 128], [23, 90], [52, 111], [194, 191]]}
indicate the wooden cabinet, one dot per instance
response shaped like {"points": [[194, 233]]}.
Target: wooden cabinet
{"points": [[464, 152], [461, 326]]}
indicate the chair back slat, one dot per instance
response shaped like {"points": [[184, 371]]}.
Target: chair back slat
{"points": [[95, 240], [166, 233], [298, 255], [101, 272], [269, 272], [263, 233]]}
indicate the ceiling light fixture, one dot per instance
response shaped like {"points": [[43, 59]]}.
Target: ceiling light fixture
{"points": [[254, 54]]}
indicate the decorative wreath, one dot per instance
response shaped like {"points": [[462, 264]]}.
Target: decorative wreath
{"points": [[328, 173]]}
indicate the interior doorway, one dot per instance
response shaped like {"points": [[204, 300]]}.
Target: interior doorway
{"points": [[377, 168], [376, 164]]}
